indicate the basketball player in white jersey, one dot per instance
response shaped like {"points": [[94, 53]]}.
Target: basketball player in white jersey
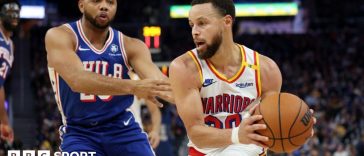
{"points": [[217, 81]]}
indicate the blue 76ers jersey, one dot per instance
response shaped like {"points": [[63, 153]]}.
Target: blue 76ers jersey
{"points": [[6, 57], [83, 109]]}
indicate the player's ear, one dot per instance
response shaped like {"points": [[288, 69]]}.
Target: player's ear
{"points": [[80, 5], [228, 21]]}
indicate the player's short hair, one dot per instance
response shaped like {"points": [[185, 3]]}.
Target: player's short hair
{"points": [[224, 7], [3, 2]]}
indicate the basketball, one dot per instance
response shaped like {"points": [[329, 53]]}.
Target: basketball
{"points": [[288, 119]]}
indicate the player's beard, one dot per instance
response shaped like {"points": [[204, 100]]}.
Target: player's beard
{"points": [[7, 23], [212, 48], [93, 21]]}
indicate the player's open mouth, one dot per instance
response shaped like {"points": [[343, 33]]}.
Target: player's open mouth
{"points": [[14, 22], [199, 44], [103, 17]]}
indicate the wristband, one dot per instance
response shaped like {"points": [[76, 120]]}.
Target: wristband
{"points": [[235, 135]]}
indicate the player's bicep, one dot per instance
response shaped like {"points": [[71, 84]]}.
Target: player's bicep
{"points": [[147, 69], [187, 96], [271, 76], [140, 59], [190, 108], [61, 55]]}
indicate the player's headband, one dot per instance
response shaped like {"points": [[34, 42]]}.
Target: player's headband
{"points": [[10, 10]]}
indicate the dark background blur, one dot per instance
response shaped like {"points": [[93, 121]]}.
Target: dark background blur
{"points": [[319, 51]]}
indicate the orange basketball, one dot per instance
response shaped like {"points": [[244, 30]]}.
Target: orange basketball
{"points": [[288, 119]]}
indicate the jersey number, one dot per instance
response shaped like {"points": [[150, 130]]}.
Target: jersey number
{"points": [[3, 70], [229, 121], [100, 67], [92, 98]]}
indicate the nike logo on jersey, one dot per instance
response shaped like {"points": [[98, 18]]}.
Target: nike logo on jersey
{"points": [[126, 123], [82, 49], [244, 85], [208, 82]]}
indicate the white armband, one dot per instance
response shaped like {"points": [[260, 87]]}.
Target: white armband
{"points": [[235, 135]]}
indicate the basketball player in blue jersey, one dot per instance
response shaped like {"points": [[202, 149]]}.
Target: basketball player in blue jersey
{"points": [[225, 79], [9, 14], [88, 67]]}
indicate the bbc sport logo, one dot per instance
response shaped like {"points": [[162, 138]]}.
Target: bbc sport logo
{"points": [[47, 153]]}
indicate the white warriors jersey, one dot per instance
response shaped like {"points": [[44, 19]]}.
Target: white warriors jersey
{"points": [[224, 99]]}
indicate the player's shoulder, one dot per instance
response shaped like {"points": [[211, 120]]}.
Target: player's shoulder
{"points": [[270, 72], [61, 32], [185, 69], [134, 46], [184, 61], [131, 40], [185, 65], [60, 36], [267, 63]]}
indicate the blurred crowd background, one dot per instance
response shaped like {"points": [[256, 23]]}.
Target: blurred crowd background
{"points": [[319, 52]]}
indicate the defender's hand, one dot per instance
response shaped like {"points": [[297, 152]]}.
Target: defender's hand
{"points": [[154, 139], [148, 89], [6, 133]]}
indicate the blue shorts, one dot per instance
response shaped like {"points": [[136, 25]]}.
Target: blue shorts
{"points": [[123, 137]]}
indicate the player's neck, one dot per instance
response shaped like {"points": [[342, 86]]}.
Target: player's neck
{"points": [[93, 34], [7, 34], [228, 54]]}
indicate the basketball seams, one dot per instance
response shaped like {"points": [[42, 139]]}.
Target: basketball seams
{"points": [[284, 130], [280, 123], [270, 130], [297, 134], [298, 114]]}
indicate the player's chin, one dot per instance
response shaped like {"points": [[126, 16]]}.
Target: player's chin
{"points": [[201, 50], [102, 25], [14, 23]]}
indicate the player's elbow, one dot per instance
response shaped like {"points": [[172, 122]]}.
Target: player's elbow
{"points": [[76, 85], [195, 136], [197, 142]]}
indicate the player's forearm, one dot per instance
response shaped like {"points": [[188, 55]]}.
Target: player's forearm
{"points": [[3, 114], [96, 84], [3, 117], [209, 137], [156, 120], [155, 115]]}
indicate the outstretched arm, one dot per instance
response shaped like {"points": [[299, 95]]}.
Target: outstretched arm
{"points": [[140, 59], [60, 45]]}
